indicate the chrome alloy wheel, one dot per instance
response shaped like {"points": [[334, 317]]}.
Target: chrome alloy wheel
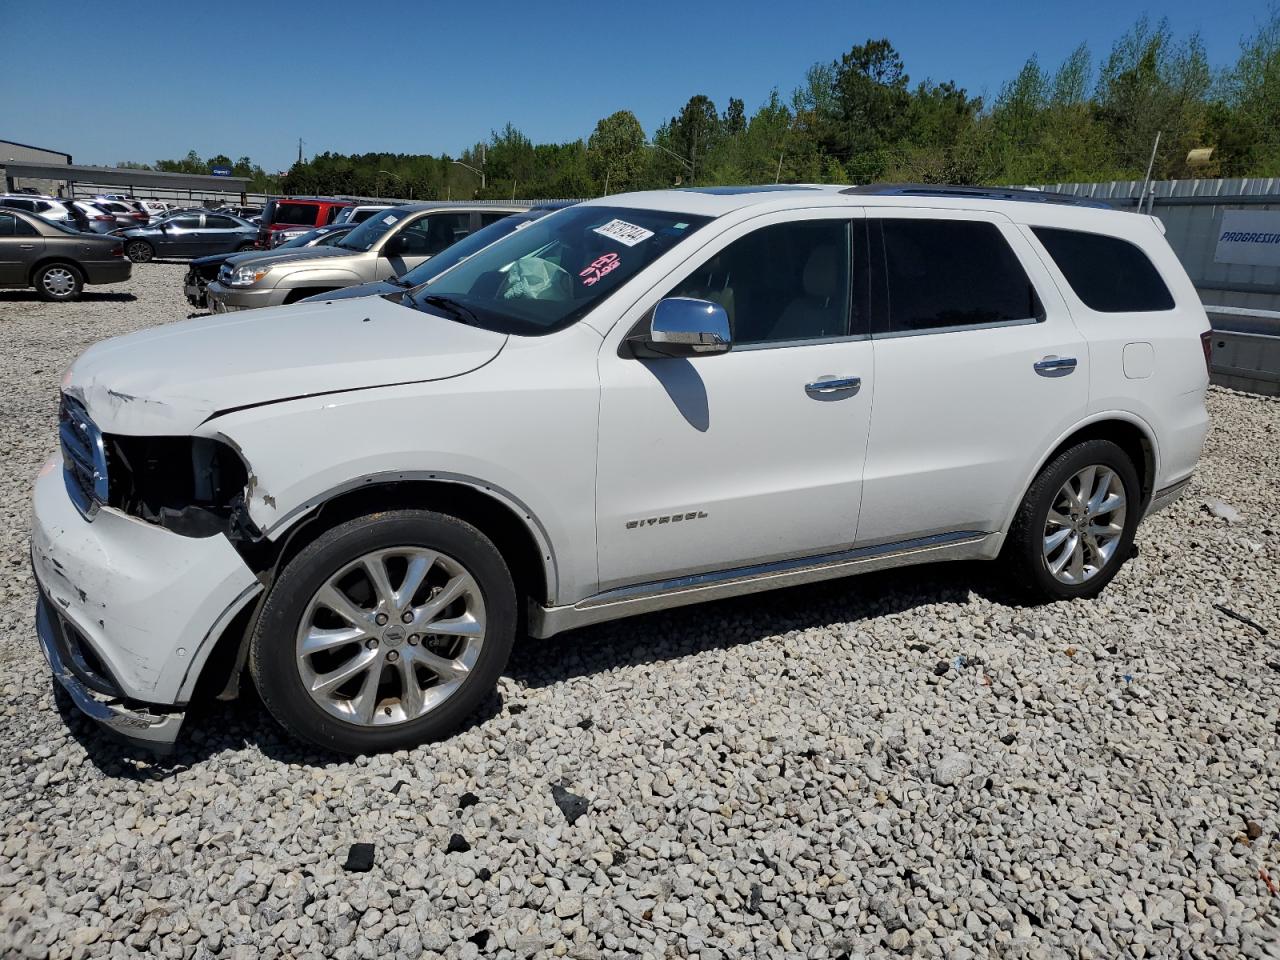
{"points": [[58, 282], [390, 636], [1085, 524]]}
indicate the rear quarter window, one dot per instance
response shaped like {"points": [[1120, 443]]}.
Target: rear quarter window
{"points": [[1108, 274]]}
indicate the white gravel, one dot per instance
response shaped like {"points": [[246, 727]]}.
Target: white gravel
{"points": [[897, 765]]}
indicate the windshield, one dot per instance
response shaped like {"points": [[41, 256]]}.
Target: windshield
{"points": [[453, 255], [553, 272], [302, 240], [363, 237], [332, 238]]}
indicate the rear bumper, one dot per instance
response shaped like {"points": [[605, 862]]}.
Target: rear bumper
{"points": [[107, 271]]}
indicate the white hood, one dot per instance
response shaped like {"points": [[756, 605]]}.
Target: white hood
{"points": [[169, 379]]}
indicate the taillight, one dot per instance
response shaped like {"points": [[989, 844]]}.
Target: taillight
{"points": [[139, 216], [1206, 344], [118, 251], [102, 217]]}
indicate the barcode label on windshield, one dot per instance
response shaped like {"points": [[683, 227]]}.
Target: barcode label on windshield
{"points": [[627, 234]]}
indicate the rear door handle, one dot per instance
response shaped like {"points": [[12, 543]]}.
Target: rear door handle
{"points": [[1055, 366], [26, 246], [829, 386]]}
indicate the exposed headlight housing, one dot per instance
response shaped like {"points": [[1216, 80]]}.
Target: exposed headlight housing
{"points": [[194, 486], [248, 275]]}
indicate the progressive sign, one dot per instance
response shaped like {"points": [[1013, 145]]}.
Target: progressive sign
{"points": [[1249, 237]]}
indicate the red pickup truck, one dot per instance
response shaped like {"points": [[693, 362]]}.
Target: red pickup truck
{"points": [[297, 211]]}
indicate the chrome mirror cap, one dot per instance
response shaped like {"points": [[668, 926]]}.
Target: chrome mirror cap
{"points": [[683, 326]]}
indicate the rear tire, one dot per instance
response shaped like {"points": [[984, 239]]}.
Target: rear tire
{"points": [[139, 251], [369, 608], [246, 247], [1076, 524], [58, 282]]}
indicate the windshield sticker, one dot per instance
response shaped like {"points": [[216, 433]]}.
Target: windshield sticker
{"points": [[625, 233], [389, 220], [601, 266]]}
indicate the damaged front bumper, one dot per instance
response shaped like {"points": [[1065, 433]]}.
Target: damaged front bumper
{"points": [[129, 611], [156, 731]]}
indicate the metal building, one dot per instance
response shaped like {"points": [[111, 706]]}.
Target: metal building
{"points": [[11, 152]]}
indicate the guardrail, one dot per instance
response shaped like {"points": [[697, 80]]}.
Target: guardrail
{"points": [[1246, 349]]}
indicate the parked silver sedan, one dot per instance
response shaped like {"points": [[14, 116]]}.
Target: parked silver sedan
{"points": [[190, 235]]}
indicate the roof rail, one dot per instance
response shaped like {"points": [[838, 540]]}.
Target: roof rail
{"points": [[985, 193]]}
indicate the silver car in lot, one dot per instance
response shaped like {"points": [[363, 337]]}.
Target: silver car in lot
{"points": [[193, 234], [387, 245]]}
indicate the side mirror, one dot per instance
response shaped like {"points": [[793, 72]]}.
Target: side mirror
{"points": [[685, 327]]}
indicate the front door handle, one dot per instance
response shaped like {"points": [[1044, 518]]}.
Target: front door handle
{"points": [[1055, 366], [830, 386]]}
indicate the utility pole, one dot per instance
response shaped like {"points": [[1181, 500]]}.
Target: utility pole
{"points": [[299, 149], [1146, 181]]}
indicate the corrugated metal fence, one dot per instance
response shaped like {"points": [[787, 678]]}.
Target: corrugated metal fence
{"points": [[1191, 211], [1242, 300]]}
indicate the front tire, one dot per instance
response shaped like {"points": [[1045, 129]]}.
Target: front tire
{"points": [[1076, 524], [139, 251], [58, 282], [385, 632]]}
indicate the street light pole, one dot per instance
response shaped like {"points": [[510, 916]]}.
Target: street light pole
{"points": [[479, 173], [685, 160], [400, 178]]}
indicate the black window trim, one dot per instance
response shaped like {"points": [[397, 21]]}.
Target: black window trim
{"points": [[879, 272]]}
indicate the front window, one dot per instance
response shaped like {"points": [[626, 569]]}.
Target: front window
{"points": [[363, 237], [553, 272]]}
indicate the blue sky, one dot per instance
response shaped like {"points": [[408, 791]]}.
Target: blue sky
{"points": [[134, 80]]}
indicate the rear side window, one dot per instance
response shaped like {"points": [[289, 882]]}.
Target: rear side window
{"points": [[7, 221], [1108, 274], [298, 214], [952, 273]]}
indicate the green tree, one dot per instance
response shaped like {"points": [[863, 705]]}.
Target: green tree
{"points": [[616, 152]]}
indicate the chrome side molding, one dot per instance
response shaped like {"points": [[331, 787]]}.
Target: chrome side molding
{"points": [[1165, 496], [698, 588]]}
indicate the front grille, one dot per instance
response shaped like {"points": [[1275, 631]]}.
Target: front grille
{"points": [[83, 454]]}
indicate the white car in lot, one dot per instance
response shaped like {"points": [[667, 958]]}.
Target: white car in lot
{"points": [[632, 404]]}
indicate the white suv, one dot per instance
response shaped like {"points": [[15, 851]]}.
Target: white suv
{"points": [[634, 403]]}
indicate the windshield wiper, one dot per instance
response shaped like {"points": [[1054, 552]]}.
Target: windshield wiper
{"points": [[451, 307], [398, 282]]}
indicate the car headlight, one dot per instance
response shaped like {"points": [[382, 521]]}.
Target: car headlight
{"points": [[248, 275]]}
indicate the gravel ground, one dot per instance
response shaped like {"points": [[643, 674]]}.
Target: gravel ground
{"points": [[903, 764]]}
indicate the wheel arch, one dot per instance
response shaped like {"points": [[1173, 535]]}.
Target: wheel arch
{"points": [[1128, 431], [512, 527], [51, 259]]}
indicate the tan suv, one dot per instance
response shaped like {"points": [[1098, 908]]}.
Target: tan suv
{"points": [[384, 246]]}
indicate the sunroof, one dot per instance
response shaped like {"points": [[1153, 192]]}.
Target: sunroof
{"points": [[734, 191]]}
